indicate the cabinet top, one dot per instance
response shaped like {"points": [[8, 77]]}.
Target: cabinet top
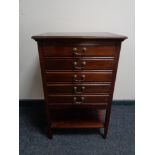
{"points": [[80, 35]]}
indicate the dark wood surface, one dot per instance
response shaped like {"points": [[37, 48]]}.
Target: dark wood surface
{"points": [[69, 88], [68, 50], [76, 77], [79, 72], [78, 99], [79, 64], [77, 118]]}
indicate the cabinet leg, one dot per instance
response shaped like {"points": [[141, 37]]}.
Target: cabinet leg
{"points": [[49, 133], [49, 129], [105, 133], [107, 119]]}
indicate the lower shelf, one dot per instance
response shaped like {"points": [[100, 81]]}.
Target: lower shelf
{"points": [[77, 118]]}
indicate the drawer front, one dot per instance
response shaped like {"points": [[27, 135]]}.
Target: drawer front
{"points": [[78, 88], [76, 51], [78, 99], [79, 64], [79, 76]]}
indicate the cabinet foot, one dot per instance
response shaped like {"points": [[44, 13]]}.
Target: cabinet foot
{"points": [[49, 133], [105, 134]]}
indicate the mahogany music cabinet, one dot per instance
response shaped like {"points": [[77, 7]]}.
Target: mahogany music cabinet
{"points": [[78, 74]]}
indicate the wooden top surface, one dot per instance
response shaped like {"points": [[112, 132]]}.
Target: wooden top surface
{"points": [[79, 35]]}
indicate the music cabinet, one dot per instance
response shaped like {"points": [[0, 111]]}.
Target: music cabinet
{"points": [[78, 74]]}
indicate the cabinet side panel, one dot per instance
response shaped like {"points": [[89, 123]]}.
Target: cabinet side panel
{"points": [[42, 67], [108, 111]]}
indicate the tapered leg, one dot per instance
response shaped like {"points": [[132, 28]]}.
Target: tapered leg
{"points": [[107, 119], [49, 132], [48, 119]]}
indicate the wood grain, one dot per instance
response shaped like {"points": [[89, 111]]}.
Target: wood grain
{"points": [[80, 64], [78, 74], [76, 77], [67, 88], [77, 118]]}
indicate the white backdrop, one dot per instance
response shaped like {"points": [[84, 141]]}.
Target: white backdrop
{"points": [[41, 16]]}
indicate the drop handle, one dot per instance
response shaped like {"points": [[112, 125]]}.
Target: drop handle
{"points": [[79, 102], [84, 49], [76, 90], [75, 52], [82, 78], [83, 64], [75, 49], [75, 63]]}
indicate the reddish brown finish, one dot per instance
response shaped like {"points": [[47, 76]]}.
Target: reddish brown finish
{"points": [[78, 73], [70, 88], [104, 76], [67, 51], [87, 99], [77, 118], [79, 64]]}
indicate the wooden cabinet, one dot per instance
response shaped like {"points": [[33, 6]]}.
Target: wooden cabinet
{"points": [[78, 74]]}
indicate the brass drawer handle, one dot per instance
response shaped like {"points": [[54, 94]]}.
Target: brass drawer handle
{"points": [[79, 67], [76, 53], [84, 49], [79, 80], [76, 90], [79, 102], [75, 49]]}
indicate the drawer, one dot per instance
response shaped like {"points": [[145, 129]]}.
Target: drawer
{"points": [[79, 64], [78, 88], [78, 99], [76, 51], [105, 76]]}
